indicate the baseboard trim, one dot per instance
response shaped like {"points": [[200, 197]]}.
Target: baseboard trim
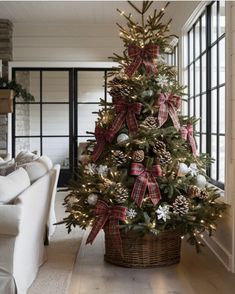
{"points": [[221, 253]]}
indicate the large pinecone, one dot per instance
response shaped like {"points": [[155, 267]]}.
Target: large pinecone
{"points": [[203, 195], [181, 205], [193, 191], [150, 122], [119, 157], [159, 146], [121, 193], [164, 158]]}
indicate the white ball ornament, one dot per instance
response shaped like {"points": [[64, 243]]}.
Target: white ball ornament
{"points": [[92, 199], [182, 169], [122, 138], [201, 181]]}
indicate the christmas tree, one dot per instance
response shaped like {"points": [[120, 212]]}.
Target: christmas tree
{"points": [[142, 172]]}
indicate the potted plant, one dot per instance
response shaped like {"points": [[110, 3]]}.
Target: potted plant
{"points": [[8, 91]]}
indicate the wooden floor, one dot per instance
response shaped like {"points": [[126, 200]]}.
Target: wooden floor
{"points": [[197, 273]]}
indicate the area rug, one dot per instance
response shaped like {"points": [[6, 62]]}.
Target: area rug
{"points": [[55, 275]]}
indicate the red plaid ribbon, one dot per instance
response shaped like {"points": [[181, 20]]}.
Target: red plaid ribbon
{"points": [[113, 215], [187, 134], [100, 135], [146, 179], [126, 111], [169, 103], [142, 55]]}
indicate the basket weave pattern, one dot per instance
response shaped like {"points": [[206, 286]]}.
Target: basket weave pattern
{"points": [[144, 251]]}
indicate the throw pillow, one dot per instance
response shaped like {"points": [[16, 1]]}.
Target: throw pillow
{"points": [[46, 161], [12, 185], [7, 167], [25, 157]]}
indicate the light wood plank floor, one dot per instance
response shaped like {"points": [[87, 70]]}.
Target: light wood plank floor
{"points": [[196, 274]]}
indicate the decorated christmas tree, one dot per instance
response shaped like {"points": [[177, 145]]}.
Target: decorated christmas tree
{"points": [[142, 173]]}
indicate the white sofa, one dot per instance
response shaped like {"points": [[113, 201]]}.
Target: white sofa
{"points": [[22, 233]]}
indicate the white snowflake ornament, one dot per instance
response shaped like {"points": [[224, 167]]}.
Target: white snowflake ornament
{"points": [[162, 80], [193, 169], [163, 212], [90, 169], [92, 199], [102, 170], [131, 213]]}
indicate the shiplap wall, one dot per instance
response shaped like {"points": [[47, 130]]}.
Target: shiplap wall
{"points": [[64, 42]]}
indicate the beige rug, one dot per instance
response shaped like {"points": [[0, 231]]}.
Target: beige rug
{"points": [[55, 275]]}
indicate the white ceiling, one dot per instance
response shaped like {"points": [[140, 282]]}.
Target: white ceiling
{"points": [[88, 12]]}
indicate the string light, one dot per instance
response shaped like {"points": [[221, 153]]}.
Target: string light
{"points": [[182, 237], [122, 12]]}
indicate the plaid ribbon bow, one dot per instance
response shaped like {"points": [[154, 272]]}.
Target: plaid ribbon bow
{"points": [[187, 134], [142, 55], [113, 215], [126, 111], [146, 179], [101, 138], [169, 103]]}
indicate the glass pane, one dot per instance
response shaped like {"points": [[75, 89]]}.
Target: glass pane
{"points": [[197, 77], [222, 110], [191, 45], [197, 39], [221, 158], [221, 17], [203, 72], [204, 114], [55, 119], [27, 120], [197, 139], [214, 111], [203, 32], [191, 113], [203, 150], [191, 73], [27, 144], [30, 80], [213, 22], [90, 86], [197, 113], [214, 66], [55, 86], [86, 119], [222, 61], [213, 155], [57, 149]]}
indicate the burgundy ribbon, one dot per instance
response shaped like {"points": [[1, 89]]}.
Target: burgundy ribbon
{"points": [[142, 56], [146, 179], [101, 139], [112, 215], [126, 111], [169, 103], [187, 134]]}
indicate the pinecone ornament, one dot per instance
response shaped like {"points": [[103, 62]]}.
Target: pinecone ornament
{"points": [[193, 191], [121, 193], [119, 157], [164, 158], [159, 146], [138, 156], [181, 205], [150, 122], [203, 195]]}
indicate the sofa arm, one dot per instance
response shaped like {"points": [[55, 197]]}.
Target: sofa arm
{"points": [[9, 219]]}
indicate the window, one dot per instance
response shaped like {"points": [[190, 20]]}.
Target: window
{"points": [[172, 58], [206, 85]]}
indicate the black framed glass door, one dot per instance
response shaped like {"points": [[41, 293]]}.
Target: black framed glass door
{"points": [[55, 124]]}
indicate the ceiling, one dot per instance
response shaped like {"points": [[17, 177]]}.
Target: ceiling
{"points": [[89, 12]]}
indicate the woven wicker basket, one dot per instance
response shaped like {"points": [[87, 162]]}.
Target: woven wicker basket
{"points": [[144, 251]]}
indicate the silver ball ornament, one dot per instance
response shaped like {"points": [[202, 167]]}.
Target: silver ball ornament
{"points": [[182, 169], [122, 137], [92, 199], [201, 181]]}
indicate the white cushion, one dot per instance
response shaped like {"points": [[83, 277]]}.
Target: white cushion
{"points": [[25, 157], [46, 161], [12, 185], [35, 170]]}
